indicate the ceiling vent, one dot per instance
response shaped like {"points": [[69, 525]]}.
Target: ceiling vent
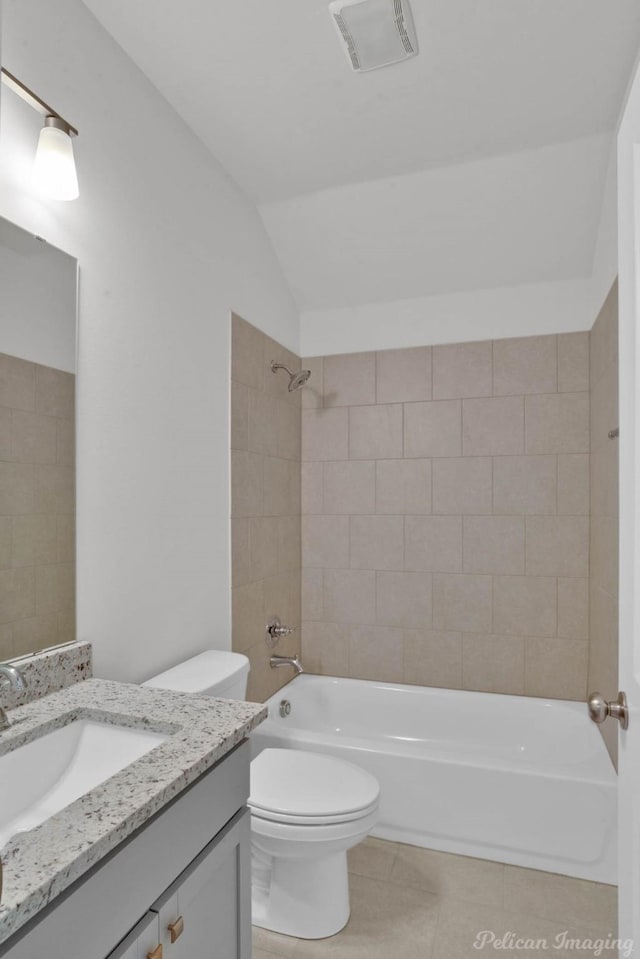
{"points": [[375, 33]]}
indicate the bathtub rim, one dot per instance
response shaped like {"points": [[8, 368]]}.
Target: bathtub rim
{"points": [[606, 777]]}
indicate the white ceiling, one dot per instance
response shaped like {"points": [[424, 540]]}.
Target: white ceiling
{"points": [[530, 217], [268, 89]]}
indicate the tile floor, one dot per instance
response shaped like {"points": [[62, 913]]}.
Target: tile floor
{"points": [[412, 903]]}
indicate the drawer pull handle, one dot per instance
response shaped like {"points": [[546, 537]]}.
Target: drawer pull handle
{"points": [[156, 953], [176, 929]]}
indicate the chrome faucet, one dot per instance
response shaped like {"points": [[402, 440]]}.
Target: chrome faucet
{"points": [[12, 677], [294, 661]]}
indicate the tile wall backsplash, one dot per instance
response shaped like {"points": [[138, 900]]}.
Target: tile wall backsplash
{"points": [[603, 659], [445, 515], [37, 507], [265, 503]]}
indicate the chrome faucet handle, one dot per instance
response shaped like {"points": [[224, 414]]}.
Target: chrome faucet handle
{"points": [[12, 677], [275, 631]]}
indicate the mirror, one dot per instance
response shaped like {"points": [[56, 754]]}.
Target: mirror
{"points": [[38, 286]]}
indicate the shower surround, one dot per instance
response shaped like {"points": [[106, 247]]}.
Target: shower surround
{"points": [[265, 502], [445, 516]]}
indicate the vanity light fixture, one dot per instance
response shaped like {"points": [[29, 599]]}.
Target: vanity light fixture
{"points": [[54, 168]]}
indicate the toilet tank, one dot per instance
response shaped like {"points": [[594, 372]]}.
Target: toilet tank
{"points": [[212, 673]]}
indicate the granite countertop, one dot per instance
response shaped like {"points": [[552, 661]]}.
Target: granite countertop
{"points": [[38, 865]]}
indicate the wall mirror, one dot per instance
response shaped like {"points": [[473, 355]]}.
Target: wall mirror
{"points": [[38, 318]]}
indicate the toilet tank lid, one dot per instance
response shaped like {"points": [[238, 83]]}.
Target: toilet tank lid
{"points": [[214, 667]]}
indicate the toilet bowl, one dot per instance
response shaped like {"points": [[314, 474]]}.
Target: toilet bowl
{"points": [[307, 810]]}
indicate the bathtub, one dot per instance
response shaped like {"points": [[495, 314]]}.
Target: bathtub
{"points": [[513, 779]]}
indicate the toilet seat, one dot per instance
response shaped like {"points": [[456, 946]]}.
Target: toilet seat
{"points": [[296, 839], [268, 815], [309, 789]]}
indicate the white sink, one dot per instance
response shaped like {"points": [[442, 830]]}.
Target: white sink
{"points": [[40, 778]]}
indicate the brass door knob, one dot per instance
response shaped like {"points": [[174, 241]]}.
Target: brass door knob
{"points": [[600, 709], [176, 928]]}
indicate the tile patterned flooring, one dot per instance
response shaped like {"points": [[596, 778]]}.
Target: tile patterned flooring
{"points": [[412, 903]]}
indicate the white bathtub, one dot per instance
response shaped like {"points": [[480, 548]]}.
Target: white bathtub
{"points": [[518, 780]]}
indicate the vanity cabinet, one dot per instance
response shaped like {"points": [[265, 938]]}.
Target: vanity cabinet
{"points": [[205, 912], [191, 861]]}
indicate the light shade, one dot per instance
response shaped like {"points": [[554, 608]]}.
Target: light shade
{"points": [[54, 168]]}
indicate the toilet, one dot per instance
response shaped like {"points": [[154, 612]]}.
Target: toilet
{"points": [[307, 810]]}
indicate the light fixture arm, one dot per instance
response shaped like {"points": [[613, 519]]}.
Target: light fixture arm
{"points": [[36, 102]]}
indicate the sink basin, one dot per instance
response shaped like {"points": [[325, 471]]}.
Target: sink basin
{"points": [[40, 778]]}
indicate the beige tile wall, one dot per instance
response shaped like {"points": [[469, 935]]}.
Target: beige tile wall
{"points": [[603, 658], [37, 507], [265, 502], [445, 515]]}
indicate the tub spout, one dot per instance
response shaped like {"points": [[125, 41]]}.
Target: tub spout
{"points": [[294, 661]]}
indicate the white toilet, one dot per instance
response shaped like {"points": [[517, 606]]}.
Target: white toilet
{"points": [[307, 809]]}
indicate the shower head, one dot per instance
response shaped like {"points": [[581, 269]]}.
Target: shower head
{"points": [[296, 380]]}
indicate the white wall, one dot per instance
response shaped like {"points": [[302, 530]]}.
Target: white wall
{"points": [[167, 247], [480, 315], [38, 301], [605, 257]]}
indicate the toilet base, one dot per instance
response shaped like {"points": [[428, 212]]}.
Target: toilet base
{"points": [[305, 898]]}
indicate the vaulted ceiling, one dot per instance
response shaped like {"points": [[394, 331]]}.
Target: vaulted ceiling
{"points": [[347, 168]]}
